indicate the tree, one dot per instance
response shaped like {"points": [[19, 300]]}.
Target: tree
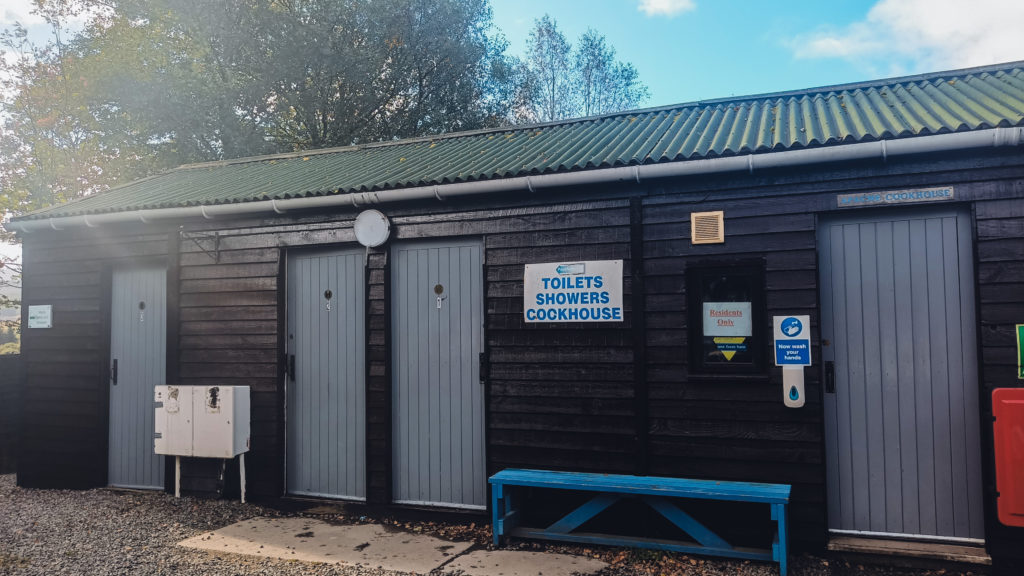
{"points": [[382, 70], [10, 338], [564, 81], [10, 288], [146, 85], [150, 84], [604, 84], [46, 142], [549, 58]]}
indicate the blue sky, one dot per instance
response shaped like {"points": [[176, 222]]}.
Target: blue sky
{"points": [[688, 50]]}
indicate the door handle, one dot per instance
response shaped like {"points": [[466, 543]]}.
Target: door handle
{"points": [[291, 367], [113, 371], [830, 377]]}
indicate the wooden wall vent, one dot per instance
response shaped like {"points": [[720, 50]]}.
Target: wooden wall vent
{"points": [[707, 227]]}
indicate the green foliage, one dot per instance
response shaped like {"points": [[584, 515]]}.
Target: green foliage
{"points": [[10, 337], [147, 85]]}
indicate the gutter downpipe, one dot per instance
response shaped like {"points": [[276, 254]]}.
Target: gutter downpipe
{"points": [[882, 149]]}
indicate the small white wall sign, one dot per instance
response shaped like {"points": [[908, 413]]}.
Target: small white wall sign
{"points": [[573, 291], [40, 316], [727, 319]]}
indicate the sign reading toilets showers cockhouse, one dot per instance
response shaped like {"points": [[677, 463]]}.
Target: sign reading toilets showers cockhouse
{"points": [[573, 291]]}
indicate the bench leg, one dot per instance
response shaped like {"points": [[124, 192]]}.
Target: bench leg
{"points": [[497, 512], [780, 548], [688, 524], [579, 516]]}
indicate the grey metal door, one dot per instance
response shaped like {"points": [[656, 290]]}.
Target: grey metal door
{"points": [[902, 427], [138, 356], [438, 400], [327, 376]]}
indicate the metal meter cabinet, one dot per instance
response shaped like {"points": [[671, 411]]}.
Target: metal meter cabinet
{"points": [[202, 422], [1008, 433]]}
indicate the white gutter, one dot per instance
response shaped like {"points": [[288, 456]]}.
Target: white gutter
{"points": [[882, 149]]}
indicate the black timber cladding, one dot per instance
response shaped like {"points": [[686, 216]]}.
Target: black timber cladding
{"points": [[999, 248], [65, 399], [560, 396], [10, 393]]}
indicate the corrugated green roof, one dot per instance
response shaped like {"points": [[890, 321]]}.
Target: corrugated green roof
{"points": [[956, 101]]}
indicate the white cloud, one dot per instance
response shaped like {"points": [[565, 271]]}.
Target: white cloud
{"points": [[18, 11], [898, 36], [666, 7]]}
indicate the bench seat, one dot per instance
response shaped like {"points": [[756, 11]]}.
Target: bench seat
{"points": [[659, 493]]}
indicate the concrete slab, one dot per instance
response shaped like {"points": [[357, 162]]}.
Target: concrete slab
{"points": [[317, 541], [516, 563]]}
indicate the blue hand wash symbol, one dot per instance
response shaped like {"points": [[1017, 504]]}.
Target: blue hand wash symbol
{"points": [[793, 394], [792, 327]]}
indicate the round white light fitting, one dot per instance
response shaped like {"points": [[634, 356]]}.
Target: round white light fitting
{"points": [[372, 228]]}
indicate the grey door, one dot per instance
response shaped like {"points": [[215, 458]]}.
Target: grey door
{"points": [[327, 389], [138, 355], [438, 400], [902, 427]]}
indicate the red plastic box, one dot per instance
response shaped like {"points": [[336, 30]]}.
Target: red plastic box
{"points": [[1008, 410]]}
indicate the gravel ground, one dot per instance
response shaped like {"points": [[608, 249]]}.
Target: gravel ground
{"points": [[57, 532]]}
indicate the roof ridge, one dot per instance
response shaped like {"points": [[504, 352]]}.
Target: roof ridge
{"points": [[864, 84], [805, 92], [651, 135]]}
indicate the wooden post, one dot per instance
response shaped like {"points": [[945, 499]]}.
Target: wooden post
{"points": [[639, 325]]}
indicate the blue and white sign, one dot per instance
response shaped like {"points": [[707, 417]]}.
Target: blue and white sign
{"points": [[588, 291], [895, 197], [792, 327], [792, 340]]}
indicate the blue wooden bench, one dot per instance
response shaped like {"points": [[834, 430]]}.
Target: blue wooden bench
{"points": [[656, 492]]}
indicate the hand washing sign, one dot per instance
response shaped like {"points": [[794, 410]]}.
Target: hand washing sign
{"points": [[792, 340], [573, 291]]}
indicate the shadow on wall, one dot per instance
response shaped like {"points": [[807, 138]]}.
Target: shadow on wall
{"points": [[10, 386]]}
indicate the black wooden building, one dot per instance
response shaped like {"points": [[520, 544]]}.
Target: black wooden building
{"points": [[889, 212]]}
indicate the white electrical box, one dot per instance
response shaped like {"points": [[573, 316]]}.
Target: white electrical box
{"points": [[202, 421], [173, 421]]}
